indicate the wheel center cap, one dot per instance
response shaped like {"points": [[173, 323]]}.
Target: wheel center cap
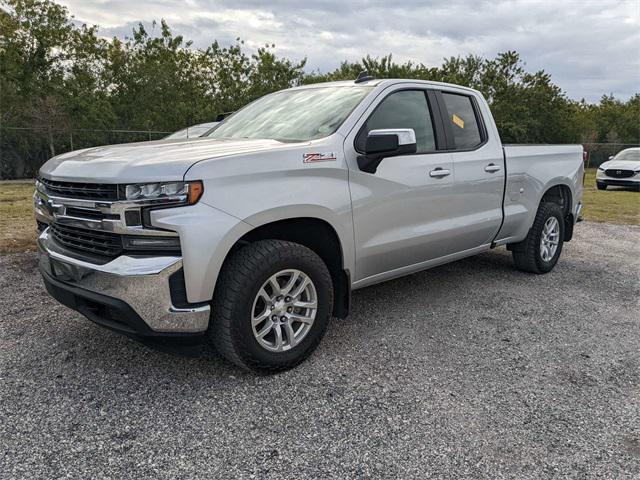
{"points": [[279, 306]]}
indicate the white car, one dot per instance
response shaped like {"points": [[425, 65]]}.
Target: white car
{"points": [[623, 170], [193, 131]]}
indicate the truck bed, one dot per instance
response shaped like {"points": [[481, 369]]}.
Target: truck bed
{"points": [[530, 170]]}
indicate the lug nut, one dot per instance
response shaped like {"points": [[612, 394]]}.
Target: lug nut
{"points": [[288, 299], [274, 317], [283, 318], [289, 310]]}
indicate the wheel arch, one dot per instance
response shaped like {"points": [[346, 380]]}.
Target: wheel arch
{"points": [[315, 233], [561, 194]]}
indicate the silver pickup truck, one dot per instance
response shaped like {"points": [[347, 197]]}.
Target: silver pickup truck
{"points": [[254, 236]]}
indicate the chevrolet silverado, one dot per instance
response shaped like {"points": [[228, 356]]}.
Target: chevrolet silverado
{"points": [[254, 236]]}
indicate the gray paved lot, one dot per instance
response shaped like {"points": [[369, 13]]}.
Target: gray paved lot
{"points": [[468, 370]]}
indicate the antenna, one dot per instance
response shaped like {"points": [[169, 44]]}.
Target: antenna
{"points": [[363, 77]]}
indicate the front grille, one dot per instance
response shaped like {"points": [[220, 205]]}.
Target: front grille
{"points": [[93, 241], [90, 213], [89, 191], [616, 173]]}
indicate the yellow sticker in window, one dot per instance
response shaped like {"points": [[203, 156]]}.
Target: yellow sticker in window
{"points": [[458, 121]]}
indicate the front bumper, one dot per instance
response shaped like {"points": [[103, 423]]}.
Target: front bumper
{"points": [[130, 294], [603, 178]]}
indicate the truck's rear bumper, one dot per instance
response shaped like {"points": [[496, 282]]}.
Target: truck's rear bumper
{"points": [[130, 294]]}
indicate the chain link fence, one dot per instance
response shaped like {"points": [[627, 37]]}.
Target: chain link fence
{"points": [[24, 149], [598, 153]]}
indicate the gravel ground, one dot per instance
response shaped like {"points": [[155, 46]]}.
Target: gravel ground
{"points": [[469, 370]]}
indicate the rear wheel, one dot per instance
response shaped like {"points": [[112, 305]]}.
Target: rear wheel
{"points": [[540, 250], [601, 186], [272, 306]]}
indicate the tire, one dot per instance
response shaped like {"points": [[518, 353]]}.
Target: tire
{"points": [[601, 186], [527, 254], [236, 300]]}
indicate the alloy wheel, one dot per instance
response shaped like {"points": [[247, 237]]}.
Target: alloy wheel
{"points": [[284, 310], [549, 239]]}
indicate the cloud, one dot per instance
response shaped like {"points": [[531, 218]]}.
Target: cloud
{"points": [[589, 47]]}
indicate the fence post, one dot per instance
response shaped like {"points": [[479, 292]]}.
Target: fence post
{"points": [[71, 139], [588, 156], [149, 135]]}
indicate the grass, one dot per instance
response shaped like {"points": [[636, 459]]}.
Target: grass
{"points": [[18, 231], [614, 205], [17, 223]]}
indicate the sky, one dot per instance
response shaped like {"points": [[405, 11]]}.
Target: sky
{"points": [[590, 47]]}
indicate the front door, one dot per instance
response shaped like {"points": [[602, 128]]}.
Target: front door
{"points": [[400, 213]]}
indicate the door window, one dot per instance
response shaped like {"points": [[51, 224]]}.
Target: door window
{"points": [[403, 109], [462, 120]]}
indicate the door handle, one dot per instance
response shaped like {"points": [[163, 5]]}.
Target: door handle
{"points": [[439, 172], [492, 167]]}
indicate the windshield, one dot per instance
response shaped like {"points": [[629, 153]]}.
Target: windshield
{"points": [[293, 115], [629, 155]]}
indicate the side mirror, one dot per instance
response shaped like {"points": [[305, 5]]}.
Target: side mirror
{"points": [[610, 157], [386, 142]]}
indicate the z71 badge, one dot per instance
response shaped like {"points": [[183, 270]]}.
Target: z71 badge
{"points": [[318, 157]]}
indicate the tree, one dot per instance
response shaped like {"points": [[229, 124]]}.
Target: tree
{"points": [[49, 81], [526, 107], [59, 79]]}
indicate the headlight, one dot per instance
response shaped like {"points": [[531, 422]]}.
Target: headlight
{"points": [[186, 193]]}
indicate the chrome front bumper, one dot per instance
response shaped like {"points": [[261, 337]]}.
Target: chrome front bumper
{"points": [[140, 282]]}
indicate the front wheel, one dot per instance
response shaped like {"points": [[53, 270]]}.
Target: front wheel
{"points": [[272, 306], [540, 250]]}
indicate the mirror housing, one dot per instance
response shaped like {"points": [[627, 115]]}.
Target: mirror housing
{"points": [[610, 157], [386, 142]]}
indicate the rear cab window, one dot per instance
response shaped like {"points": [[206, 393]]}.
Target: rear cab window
{"points": [[462, 121]]}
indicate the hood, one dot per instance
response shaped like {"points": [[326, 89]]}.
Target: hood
{"points": [[161, 160], [621, 164]]}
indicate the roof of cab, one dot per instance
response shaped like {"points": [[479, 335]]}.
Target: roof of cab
{"points": [[383, 82]]}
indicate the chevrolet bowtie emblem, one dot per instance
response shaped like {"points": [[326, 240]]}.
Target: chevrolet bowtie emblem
{"points": [[52, 207], [49, 205]]}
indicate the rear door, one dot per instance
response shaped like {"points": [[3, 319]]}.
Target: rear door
{"points": [[478, 163], [400, 213]]}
